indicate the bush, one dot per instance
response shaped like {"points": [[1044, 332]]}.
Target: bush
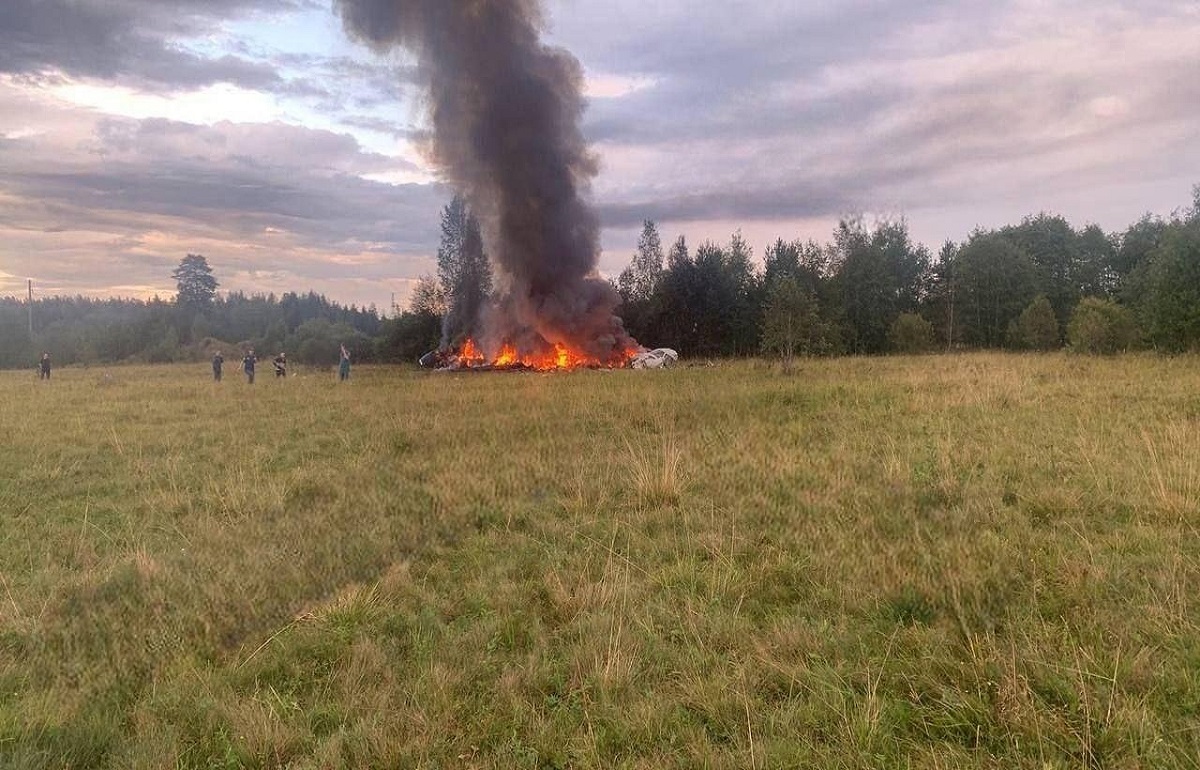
{"points": [[318, 342], [1036, 328], [1101, 326], [409, 336], [1170, 308], [167, 349], [792, 324], [910, 333]]}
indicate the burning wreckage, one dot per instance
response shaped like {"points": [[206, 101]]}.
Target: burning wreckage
{"points": [[471, 358], [505, 112]]}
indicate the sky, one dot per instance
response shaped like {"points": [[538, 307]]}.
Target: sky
{"points": [[257, 133]]}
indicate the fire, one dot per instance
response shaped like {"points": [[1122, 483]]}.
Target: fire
{"points": [[471, 355], [507, 356], [560, 358]]}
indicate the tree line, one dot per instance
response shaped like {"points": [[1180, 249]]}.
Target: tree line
{"points": [[1037, 285], [191, 326]]}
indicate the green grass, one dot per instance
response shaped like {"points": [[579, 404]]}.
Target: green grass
{"points": [[977, 561]]}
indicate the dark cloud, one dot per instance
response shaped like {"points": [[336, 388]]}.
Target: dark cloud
{"points": [[138, 42], [767, 203], [243, 178], [281, 206]]}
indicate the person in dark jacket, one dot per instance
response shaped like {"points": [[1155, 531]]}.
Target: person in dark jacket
{"points": [[44, 367], [218, 361], [280, 363], [248, 366]]}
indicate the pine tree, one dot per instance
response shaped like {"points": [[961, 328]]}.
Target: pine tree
{"points": [[463, 271], [195, 282], [639, 280]]}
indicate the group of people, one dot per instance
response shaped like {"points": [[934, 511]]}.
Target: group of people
{"points": [[249, 360], [218, 362]]}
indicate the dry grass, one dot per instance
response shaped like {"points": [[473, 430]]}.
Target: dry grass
{"points": [[968, 561]]}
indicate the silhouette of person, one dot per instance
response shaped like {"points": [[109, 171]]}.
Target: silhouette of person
{"points": [[344, 365]]}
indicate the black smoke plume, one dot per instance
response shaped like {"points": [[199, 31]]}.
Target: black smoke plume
{"points": [[505, 110]]}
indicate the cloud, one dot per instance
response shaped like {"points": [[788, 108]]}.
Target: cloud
{"points": [[388, 127], [774, 115], [134, 42], [94, 200], [790, 112]]}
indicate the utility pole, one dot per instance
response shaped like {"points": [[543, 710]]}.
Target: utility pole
{"points": [[30, 303], [950, 340]]}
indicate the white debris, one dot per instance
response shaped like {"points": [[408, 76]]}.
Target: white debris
{"points": [[659, 358]]}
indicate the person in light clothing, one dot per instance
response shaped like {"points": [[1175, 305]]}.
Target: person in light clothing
{"points": [[344, 365]]}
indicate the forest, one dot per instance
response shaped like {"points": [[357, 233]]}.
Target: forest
{"points": [[1041, 284], [82, 330], [870, 289]]}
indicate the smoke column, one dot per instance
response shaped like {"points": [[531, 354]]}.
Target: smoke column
{"points": [[505, 110]]}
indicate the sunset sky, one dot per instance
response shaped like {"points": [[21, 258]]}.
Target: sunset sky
{"points": [[255, 132]]}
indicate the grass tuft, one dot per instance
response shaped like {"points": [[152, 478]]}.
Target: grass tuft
{"points": [[656, 474]]}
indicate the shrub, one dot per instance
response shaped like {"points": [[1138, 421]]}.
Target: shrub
{"points": [[1101, 326], [1036, 328], [792, 324], [910, 333], [1170, 308]]}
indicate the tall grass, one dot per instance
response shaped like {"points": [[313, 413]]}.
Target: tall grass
{"points": [[969, 561]]}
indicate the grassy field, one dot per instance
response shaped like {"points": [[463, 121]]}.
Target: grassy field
{"points": [[977, 561]]}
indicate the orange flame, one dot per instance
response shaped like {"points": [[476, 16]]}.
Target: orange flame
{"points": [[470, 355], [507, 357], [562, 357]]}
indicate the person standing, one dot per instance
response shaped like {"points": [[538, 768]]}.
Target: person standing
{"points": [[248, 366], [344, 365], [44, 367], [218, 361], [280, 363]]}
